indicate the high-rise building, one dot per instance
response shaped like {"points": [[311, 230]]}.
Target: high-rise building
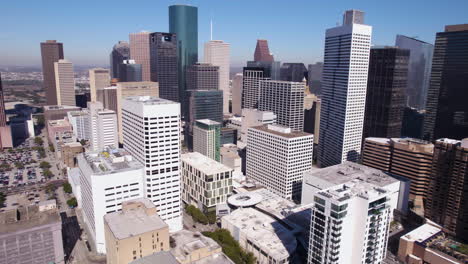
{"points": [[129, 71], [344, 85], [253, 118], [163, 64], [251, 86], [64, 83], [412, 123], [140, 53], [293, 72], [51, 52], [447, 202], [102, 126], [5, 131], [217, 52], [286, 100], [353, 17], [98, 78], [271, 69], [446, 107], [277, 157], [262, 52], [236, 91], [202, 76], [107, 178], [79, 120], [206, 138], [385, 96], [314, 77], [312, 105], [206, 182], [145, 119], [419, 70], [183, 22], [406, 157], [119, 53]]}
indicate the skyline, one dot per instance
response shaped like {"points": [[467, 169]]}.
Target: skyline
{"points": [[304, 24]]}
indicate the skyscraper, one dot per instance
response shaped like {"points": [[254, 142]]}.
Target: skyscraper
{"points": [[163, 64], [129, 71], [251, 86], [344, 85], [103, 127], [447, 201], [236, 90], [293, 72], [206, 138], [202, 76], [385, 97], [286, 100], [419, 70], [183, 21], [140, 53], [262, 52], [119, 53], [145, 119], [314, 77], [98, 78], [217, 53], [447, 108], [51, 52], [5, 132], [64, 83]]}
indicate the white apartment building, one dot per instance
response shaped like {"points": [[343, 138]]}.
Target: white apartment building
{"points": [[286, 100], [103, 127], [151, 133], [107, 179], [344, 85], [277, 158], [349, 224], [254, 117], [217, 53], [205, 182], [80, 123], [64, 83], [236, 94], [206, 138]]}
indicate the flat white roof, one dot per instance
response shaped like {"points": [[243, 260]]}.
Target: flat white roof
{"points": [[204, 164], [149, 100], [422, 233]]}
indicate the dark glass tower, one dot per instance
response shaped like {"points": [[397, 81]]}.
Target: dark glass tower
{"points": [[51, 52], [385, 98], [163, 64], [130, 72], [183, 21], [120, 52], [293, 72], [447, 105]]}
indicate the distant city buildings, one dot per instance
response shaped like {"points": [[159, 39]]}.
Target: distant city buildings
{"points": [[51, 52], [262, 51], [64, 83], [217, 53], [119, 53], [206, 138]]}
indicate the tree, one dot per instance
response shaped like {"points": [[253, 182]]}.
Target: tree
{"points": [[51, 148], [2, 200], [72, 203], [47, 173], [19, 165], [83, 142], [211, 217], [231, 247], [67, 187], [50, 188], [38, 141], [45, 165]]}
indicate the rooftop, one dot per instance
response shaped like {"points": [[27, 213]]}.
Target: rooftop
{"points": [[354, 188], [59, 123], [149, 100], [203, 163], [59, 107], [422, 233], [110, 161], [24, 217], [208, 122], [278, 132], [230, 151], [159, 257]]}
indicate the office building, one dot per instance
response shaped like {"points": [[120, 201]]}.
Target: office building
{"points": [[385, 96], [163, 64], [446, 202], [286, 100], [262, 52], [412, 123], [446, 108], [140, 53], [119, 53], [129, 71], [206, 138], [64, 83], [314, 77], [5, 133], [51, 52], [102, 127], [277, 157], [98, 78], [293, 72], [271, 69], [230, 157], [358, 204], [312, 105], [183, 22], [107, 179], [55, 128], [228, 136], [253, 118], [79, 121], [134, 232], [69, 153], [202, 76], [251, 87], [419, 70], [144, 120], [31, 234], [340, 124], [57, 112], [217, 53], [407, 157], [82, 99], [236, 91], [205, 182]]}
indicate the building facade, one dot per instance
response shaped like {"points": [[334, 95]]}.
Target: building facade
{"points": [[140, 53], [206, 138], [64, 83], [102, 127], [293, 72], [51, 52], [129, 71], [254, 117], [251, 87], [236, 92], [98, 78], [119, 53], [262, 51], [217, 53], [202, 76]]}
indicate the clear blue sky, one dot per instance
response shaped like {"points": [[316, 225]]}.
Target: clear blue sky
{"points": [[294, 28]]}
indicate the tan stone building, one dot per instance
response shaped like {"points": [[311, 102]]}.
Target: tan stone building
{"points": [[69, 152], [135, 232]]}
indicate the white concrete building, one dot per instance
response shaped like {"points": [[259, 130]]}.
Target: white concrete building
{"points": [[254, 117], [286, 100], [103, 127], [206, 138], [217, 53], [236, 93], [151, 133], [278, 157], [349, 224], [251, 87], [64, 83], [344, 85], [80, 124], [98, 79], [73, 177], [205, 182], [106, 180]]}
